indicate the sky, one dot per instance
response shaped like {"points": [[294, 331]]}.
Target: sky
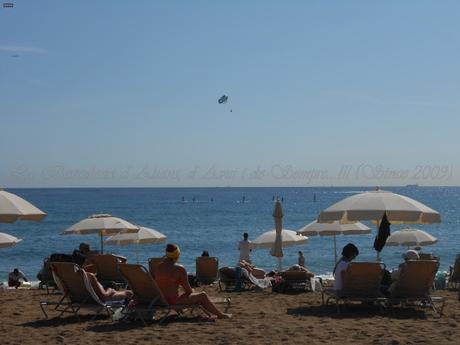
{"points": [[320, 93]]}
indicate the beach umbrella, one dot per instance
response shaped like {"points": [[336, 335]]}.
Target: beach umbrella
{"points": [[374, 205], [277, 249], [8, 240], [411, 237], [143, 236], [334, 229], [13, 208], [102, 224], [267, 239]]}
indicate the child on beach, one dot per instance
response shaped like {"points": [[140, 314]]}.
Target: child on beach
{"points": [[169, 276], [301, 260]]}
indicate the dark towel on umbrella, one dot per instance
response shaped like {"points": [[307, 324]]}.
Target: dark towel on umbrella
{"points": [[384, 232]]}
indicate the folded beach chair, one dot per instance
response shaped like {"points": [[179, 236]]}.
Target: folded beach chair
{"points": [[294, 281], [147, 297], [207, 269], [153, 264], [454, 278], [414, 284], [107, 270], [361, 283], [77, 292]]}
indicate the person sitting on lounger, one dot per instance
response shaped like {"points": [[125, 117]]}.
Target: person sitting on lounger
{"points": [[349, 252], [107, 294], [408, 255], [169, 276]]}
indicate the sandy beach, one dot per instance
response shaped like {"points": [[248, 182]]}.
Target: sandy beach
{"points": [[260, 317]]}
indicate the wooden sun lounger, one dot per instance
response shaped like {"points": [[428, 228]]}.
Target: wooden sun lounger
{"points": [[147, 297], [230, 282], [361, 283], [454, 279], [207, 269], [153, 264], [107, 270], [413, 287], [77, 292], [295, 281]]}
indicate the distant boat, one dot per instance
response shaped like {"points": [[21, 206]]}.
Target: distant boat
{"points": [[412, 185]]}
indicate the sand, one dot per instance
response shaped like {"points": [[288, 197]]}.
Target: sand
{"points": [[258, 318]]}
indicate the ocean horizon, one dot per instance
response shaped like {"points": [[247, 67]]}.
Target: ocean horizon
{"points": [[213, 219]]}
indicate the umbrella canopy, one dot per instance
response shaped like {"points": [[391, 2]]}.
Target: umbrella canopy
{"points": [[411, 237], [334, 229], [102, 224], [289, 238], [373, 205], [8, 240], [143, 236], [13, 208]]}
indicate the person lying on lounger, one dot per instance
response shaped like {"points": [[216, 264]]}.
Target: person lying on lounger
{"points": [[169, 276], [107, 294]]}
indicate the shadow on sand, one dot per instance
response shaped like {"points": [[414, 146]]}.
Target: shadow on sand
{"points": [[357, 312]]}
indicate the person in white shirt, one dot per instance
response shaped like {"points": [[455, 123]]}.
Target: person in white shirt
{"points": [[245, 248], [349, 252], [15, 277]]}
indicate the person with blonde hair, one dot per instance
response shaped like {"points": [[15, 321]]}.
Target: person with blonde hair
{"points": [[169, 275]]}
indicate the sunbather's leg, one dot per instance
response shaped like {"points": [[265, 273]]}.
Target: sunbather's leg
{"points": [[109, 293], [202, 299]]}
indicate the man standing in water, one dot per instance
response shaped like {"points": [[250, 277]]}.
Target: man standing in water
{"points": [[245, 248]]}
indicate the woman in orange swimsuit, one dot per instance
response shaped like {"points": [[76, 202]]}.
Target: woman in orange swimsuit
{"points": [[169, 276]]}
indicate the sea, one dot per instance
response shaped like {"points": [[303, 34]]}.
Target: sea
{"points": [[214, 219]]}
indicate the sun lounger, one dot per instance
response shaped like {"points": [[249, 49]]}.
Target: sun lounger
{"points": [[239, 279], [414, 284], [77, 292], [107, 270], [294, 281], [361, 283], [427, 256], [45, 277], [147, 297], [230, 279], [207, 269], [153, 264], [454, 278]]}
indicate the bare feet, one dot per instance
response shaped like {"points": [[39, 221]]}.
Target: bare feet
{"points": [[225, 316]]}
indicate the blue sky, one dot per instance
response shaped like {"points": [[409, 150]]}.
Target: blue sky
{"points": [[117, 93]]}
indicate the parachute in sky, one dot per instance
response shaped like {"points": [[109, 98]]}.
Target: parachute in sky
{"points": [[223, 99]]}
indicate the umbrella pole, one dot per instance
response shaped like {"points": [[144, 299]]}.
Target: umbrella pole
{"points": [[335, 251], [378, 253], [280, 266], [102, 244]]}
